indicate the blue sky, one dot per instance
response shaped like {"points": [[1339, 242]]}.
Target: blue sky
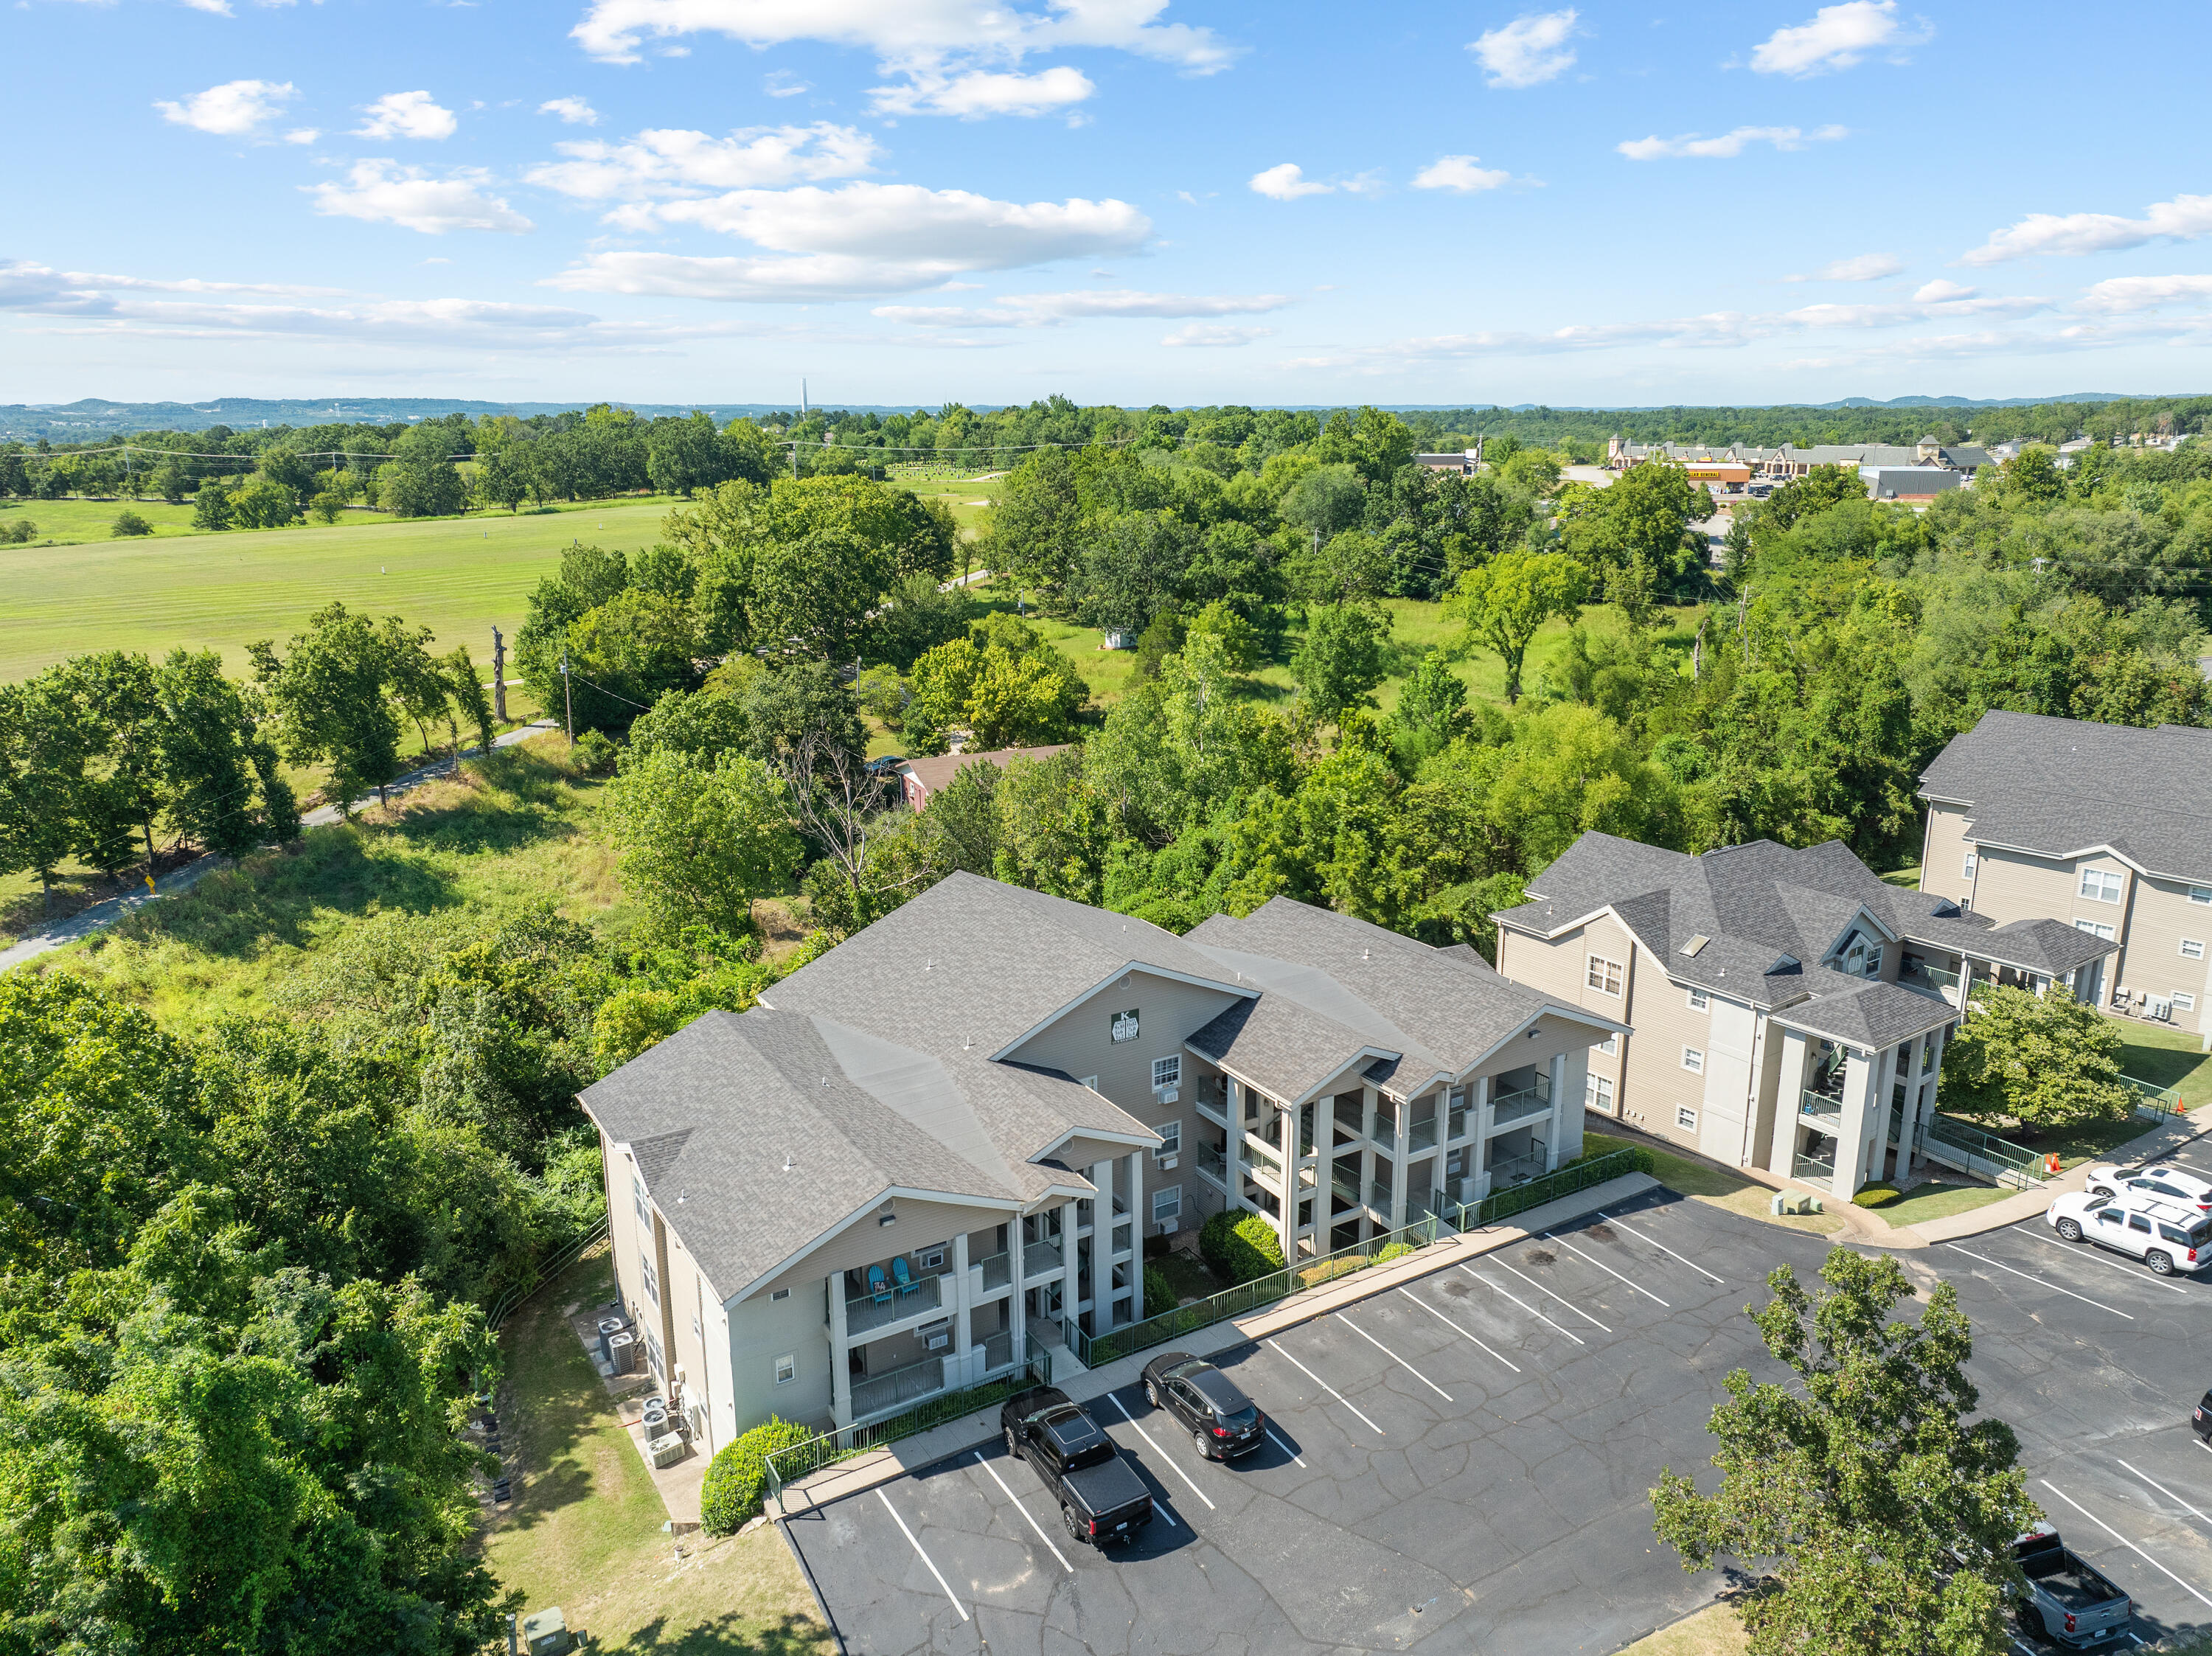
{"points": [[1123, 200]]}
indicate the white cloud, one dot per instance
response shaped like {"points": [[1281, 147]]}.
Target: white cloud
{"points": [[860, 240], [406, 115], [384, 193], [1529, 50], [232, 110], [1837, 38], [2183, 219], [1214, 333], [1050, 310], [1863, 267], [573, 111], [219, 7], [1728, 145], [1460, 172], [978, 93], [1287, 183], [1940, 292], [2118, 295], [674, 160], [782, 84], [302, 134]]}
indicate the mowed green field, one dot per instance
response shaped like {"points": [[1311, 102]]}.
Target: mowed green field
{"points": [[94, 520], [458, 577]]}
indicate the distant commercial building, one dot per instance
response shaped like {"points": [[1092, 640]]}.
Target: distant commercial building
{"points": [[1772, 465], [1464, 462]]}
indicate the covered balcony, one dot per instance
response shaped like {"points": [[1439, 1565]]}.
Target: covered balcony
{"points": [[896, 1290], [1519, 1095]]}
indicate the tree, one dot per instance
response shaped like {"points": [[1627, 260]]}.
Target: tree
{"points": [[467, 698], [1432, 710], [1886, 1521], [1644, 513], [44, 747], [1324, 501], [812, 597], [1339, 663], [423, 482], [211, 505], [2046, 1061], [263, 503], [329, 693], [1505, 602], [1034, 534], [504, 474], [683, 455], [1242, 649], [919, 615], [129, 524], [1352, 567], [328, 506], [2032, 477], [698, 843], [418, 681], [1002, 684], [213, 759], [1131, 570]]}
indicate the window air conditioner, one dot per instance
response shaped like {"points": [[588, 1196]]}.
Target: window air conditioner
{"points": [[1168, 1095], [1167, 1227], [1167, 1163], [935, 1337]]}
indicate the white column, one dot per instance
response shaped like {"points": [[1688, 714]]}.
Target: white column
{"points": [[1862, 1072], [1915, 1073], [1232, 1163], [1482, 1122], [1018, 1312], [1138, 1219], [841, 1367], [1789, 1101], [1071, 1280], [1101, 1249], [964, 1300], [1556, 1139], [1286, 1146]]}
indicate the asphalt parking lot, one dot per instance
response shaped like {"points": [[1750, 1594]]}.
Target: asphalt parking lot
{"points": [[1467, 1461]]}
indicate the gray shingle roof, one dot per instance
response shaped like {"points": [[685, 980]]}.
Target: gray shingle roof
{"points": [[2057, 785]]}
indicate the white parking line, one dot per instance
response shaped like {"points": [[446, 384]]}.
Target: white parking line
{"points": [[2039, 1281], [1324, 1383], [1279, 1443], [1551, 1237], [1524, 1304], [924, 1557], [1554, 1293], [1024, 1512], [1449, 1324], [2169, 1494], [2123, 1541], [1156, 1450], [1663, 1248], [2087, 1251], [1395, 1358]]}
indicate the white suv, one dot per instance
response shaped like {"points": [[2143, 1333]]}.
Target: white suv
{"points": [[2162, 1180], [2163, 1235]]}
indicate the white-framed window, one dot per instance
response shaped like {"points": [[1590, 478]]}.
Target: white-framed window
{"points": [[643, 1203], [1700, 1001], [1167, 1204], [2192, 948], [1694, 1060], [1968, 871], [651, 1278], [1611, 1045], [1166, 1072], [1604, 975], [1597, 1094], [2184, 1001], [1170, 1134], [2094, 929], [1686, 1117], [655, 1358], [787, 1369], [2201, 894], [2100, 885]]}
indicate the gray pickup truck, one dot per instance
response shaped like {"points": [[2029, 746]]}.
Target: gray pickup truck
{"points": [[2068, 1600], [1102, 1500]]}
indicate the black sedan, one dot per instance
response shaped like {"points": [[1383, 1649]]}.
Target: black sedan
{"points": [[1222, 1421]]}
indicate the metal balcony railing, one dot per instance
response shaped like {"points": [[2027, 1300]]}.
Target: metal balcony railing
{"points": [[998, 1271], [1519, 1106], [1214, 1164], [1040, 1260], [1422, 1137], [1516, 1169], [874, 1393], [999, 1351], [891, 1304], [1820, 1106]]}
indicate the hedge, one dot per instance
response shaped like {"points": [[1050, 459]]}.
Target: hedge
{"points": [[1240, 1246], [1395, 1250], [731, 1493], [1875, 1196]]}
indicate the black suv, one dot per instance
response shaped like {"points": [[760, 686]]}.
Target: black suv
{"points": [[1222, 1421]]}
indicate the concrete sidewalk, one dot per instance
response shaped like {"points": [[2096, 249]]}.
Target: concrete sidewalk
{"points": [[896, 1461], [2167, 1136]]}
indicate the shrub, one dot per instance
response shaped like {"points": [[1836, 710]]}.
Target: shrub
{"points": [[737, 1477], [18, 531], [1875, 1196], [129, 522], [595, 753], [1240, 1246], [1395, 1250], [1159, 1292]]}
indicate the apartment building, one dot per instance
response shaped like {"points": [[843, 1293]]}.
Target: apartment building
{"points": [[2107, 827], [1788, 1010], [926, 1153]]}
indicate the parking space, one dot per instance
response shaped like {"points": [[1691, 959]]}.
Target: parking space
{"points": [[1466, 1459]]}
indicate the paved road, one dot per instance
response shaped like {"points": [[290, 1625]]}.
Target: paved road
{"points": [[86, 921]]}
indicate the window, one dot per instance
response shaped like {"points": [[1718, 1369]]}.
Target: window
{"points": [[2100, 885], [1685, 1119], [1969, 868], [652, 1279], [2192, 948], [786, 1370], [781, 1294], [1611, 1045], [1166, 1072], [2139, 1221], [1170, 1141], [1597, 1094], [1700, 1001], [1167, 1205], [1604, 975], [2094, 929], [654, 1356], [2184, 1001], [1694, 1060], [1122, 1026], [644, 1205], [2201, 894]]}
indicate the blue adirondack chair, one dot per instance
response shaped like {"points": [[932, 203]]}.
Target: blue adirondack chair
{"points": [[876, 1285], [903, 1277]]}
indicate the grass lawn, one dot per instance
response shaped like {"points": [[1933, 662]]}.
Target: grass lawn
{"points": [[1909, 878], [1933, 1201], [94, 520], [1186, 1274], [970, 499], [1702, 1181], [514, 829], [457, 576], [584, 1531], [2166, 1058], [1713, 1631]]}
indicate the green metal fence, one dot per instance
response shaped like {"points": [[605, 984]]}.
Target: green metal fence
{"points": [[1091, 1350], [1576, 1175], [2017, 1164], [799, 1459], [2153, 1101], [542, 1271]]}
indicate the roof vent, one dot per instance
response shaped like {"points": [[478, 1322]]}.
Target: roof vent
{"points": [[1691, 948], [787, 1161]]}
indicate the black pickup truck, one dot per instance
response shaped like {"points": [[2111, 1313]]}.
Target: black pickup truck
{"points": [[1102, 1499]]}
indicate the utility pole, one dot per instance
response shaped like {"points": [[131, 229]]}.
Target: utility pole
{"points": [[498, 677], [568, 698]]}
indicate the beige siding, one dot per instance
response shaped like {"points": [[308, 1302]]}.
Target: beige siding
{"points": [[2011, 885], [1657, 1085], [1559, 967], [1943, 861], [2160, 919], [693, 1309], [864, 1242], [762, 1329], [624, 1241], [1080, 1040]]}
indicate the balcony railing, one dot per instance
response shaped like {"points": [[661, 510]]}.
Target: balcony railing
{"points": [[1422, 1137], [874, 1393], [1214, 1164], [1213, 1109], [999, 1351], [998, 1271], [1346, 1192], [1040, 1260], [1814, 1169], [1378, 1198], [1519, 1106], [1820, 1106], [891, 1304], [1516, 1169]]}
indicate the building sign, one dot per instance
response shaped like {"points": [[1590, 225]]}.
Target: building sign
{"points": [[1125, 1025]]}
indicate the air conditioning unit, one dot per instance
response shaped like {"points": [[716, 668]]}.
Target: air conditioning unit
{"points": [[1167, 1163], [1167, 1227], [2161, 1008], [935, 1337], [1168, 1095]]}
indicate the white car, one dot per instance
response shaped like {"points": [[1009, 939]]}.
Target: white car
{"points": [[2162, 1180], [2163, 1235]]}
